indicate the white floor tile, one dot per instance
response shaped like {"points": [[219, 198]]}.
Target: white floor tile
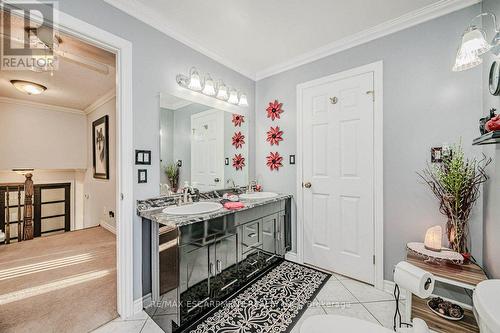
{"points": [[151, 327], [355, 310], [334, 292], [308, 313], [131, 326], [138, 316], [384, 311], [366, 293]]}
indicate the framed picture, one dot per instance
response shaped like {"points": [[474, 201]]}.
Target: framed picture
{"points": [[142, 176], [100, 147], [143, 157]]}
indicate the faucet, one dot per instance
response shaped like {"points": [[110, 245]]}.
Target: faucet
{"points": [[231, 181], [251, 186]]}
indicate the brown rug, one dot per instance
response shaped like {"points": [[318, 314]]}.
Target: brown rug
{"points": [[60, 283]]}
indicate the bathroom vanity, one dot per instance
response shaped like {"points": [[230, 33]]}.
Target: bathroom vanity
{"points": [[200, 260]]}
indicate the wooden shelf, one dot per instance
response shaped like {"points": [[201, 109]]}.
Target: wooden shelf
{"points": [[490, 138], [420, 310]]}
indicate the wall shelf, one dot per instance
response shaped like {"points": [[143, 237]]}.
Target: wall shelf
{"points": [[487, 139]]}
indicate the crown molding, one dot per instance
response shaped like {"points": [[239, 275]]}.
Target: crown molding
{"points": [[405, 21], [153, 19], [43, 106], [100, 101]]}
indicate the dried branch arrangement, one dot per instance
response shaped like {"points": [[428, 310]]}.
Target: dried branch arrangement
{"points": [[456, 184]]}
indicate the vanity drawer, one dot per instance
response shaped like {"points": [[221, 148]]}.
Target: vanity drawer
{"points": [[251, 235]]}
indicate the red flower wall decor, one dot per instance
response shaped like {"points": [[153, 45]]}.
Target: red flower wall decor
{"points": [[274, 136], [238, 162], [238, 140], [274, 161], [274, 110], [238, 119]]}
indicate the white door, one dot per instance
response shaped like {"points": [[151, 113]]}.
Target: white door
{"points": [[207, 150], [338, 176]]}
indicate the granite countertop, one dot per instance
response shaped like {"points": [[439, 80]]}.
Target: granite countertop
{"points": [[152, 210]]}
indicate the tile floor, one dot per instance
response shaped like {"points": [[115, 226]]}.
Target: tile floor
{"points": [[340, 295]]}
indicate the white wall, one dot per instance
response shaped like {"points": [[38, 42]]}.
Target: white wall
{"points": [[41, 138], [100, 194]]}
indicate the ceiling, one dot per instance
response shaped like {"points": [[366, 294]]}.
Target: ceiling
{"points": [[85, 73], [261, 37]]}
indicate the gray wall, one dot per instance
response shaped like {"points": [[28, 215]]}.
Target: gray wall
{"points": [[157, 59], [425, 104], [491, 245]]}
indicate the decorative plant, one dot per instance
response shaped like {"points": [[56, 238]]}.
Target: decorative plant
{"points": [[456, 183], [172, 171]]}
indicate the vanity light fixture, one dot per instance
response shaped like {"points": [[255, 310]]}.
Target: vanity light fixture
{"points": [[233, 97], [208, 87], [474, 45], [27, 87]]}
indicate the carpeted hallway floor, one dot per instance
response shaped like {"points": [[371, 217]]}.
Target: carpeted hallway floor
{"points": [[60, 283]]}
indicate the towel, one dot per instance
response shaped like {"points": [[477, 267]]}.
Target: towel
{"points": [[234, 205]]}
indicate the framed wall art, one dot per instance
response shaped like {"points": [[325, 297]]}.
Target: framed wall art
{"points": [[100, 147]]}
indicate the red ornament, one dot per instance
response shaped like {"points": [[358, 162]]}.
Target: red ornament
{"points": [[493, 124], [274, 110], [274, 136], [238, 140], [274, 161], [238, 119], [238, 162]]}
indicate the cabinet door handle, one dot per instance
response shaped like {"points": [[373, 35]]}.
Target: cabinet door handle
{"points": [[211, 269], [252, 235], [219, 266]]}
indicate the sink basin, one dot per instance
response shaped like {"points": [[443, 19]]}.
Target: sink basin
{"points": [[196, 208], [258, 195]]}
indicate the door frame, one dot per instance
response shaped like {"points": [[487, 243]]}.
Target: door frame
{"points": [[378, 198], [125, 210]]}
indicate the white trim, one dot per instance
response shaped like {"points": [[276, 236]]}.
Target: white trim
{"points": [[377, 69], [100, 101], [153, 19], [43, 106], [290, 256], [138, 308], [125, 175], [405, 21], [147, 301], [108, 226]]}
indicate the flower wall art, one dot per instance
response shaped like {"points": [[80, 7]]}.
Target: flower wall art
{"points": [[238, 161], [274, 110], [274, 136], [238, 140], [274, 161]]}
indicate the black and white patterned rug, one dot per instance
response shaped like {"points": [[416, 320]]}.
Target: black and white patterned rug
{"points": [[274, 303]]}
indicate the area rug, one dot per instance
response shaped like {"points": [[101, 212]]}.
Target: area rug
{"points": [[274, 303]]}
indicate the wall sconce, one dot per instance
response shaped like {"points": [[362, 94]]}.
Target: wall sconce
{"points": [[433, 238], [208, 87], [474, 45]]}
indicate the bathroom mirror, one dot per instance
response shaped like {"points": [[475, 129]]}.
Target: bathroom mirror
{"points": [[201, 145]]}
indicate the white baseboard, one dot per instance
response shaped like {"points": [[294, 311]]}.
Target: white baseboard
{"points": [[138, 306], [292, 257], [147, 301], [108, 227]]}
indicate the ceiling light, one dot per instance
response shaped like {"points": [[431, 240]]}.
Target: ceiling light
{"points": [[243, 100], [233, 97], [209, 88], [222, 93], [194, 80], [27, 87]]}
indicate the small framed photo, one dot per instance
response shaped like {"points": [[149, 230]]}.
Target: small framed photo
{"points": [[142, 176], [100, 148], [143, 157]]}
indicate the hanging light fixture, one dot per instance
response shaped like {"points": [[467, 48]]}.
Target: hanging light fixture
{"points": [[209, 88], [28, 87], [474, 45], [233, 97], [194, 80]]}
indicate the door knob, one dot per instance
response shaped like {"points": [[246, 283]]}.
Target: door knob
{"points": [[307, 185], [334, 100], [216, 180]]}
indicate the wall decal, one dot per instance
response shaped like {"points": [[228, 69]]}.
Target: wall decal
{"points": [[274, 136], [274, 161], [238, 119], [274, 110], [238, 162], [238, 140]]}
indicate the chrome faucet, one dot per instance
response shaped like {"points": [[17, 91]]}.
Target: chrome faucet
{"points": [[251, 186]]}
